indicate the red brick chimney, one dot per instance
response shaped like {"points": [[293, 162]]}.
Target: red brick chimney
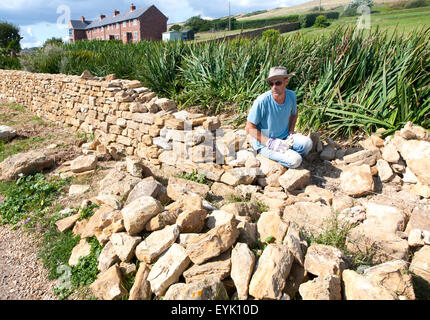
{"points": [[115, 12], [102, 16], [83, 19], [132, 7]]}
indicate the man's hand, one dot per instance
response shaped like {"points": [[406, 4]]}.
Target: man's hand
{"points": [[277, 145]]}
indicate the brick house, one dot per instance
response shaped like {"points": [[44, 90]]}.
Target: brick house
{"points": [[146, 23]]}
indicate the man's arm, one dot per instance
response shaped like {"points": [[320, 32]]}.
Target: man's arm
{"points": [[292, 123], [252, 130]]}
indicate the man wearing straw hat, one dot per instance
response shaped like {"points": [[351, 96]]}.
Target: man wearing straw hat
{"points": [[272, 119]]}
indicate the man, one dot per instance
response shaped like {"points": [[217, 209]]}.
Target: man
{"points": [[272, 119]]}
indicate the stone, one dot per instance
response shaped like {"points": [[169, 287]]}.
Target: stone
{"points": [[269, 278], [322, 260], [219, 217], [419, 219], [312, 217], [242, 266], [24, 163], [415, 238], [166, 104], [247, 233], [7, 133], [185, 238], [223, 190], [218, 268], [212, 123], [421, 169], [271, 224], [141, 289], [156, 243], [67, 223], [295, 179], [178, 187], [238, 176], [77, 190], [361, 155], [124, 245], [243, 209], [324, 194], [296, 277], [327, 287], [393, 276], [108, 200], [83, 163], [205, 289], [384, 170], [168, 268], [161, 220], [387, 218], [295, 247], [82, 249], [269, 167], [148, 187], [409, 176], [86, 75], [191, 221], [357, 181], [107, 257], [134, 166], [212, 243], [420, 264], [390, 153], [137, 213], [341, 202], [108, 285], [358, 287]]}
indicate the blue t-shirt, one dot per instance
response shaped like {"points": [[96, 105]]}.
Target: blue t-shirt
{"points": [[271, 118]]}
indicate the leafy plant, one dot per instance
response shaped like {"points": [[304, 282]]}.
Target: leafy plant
{"points": [[86, 271], [87, 212], [196, 177], [321, 22]]}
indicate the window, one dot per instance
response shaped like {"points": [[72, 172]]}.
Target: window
{"points": [[117, 37], [124, 24], [124, 35], [70, 32], [135, 35], [108, 27], [117, 25], [135, 22]]}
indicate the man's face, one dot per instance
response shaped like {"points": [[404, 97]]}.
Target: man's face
{"points": [[278, 86]]}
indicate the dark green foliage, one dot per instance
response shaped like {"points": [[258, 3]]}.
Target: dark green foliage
{"points": [[175, 27], [53, 41], [88, 212], [270, 35], [308, 20], [416, 4], [10, 63], [261, 23], [321, 22], [194, 176], [9, 38], [86, 271]]}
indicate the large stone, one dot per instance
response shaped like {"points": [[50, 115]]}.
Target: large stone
{"points": [[178, 187], [321, 260], [147, 187], [393, 276], [361, 155], [243, 209], [327, 287], [295, 179], [269, 167], [77, 190], [274, 265], [161, 220], [384, 170], [82, 249], [108, 285], [107, 257], [124, 245], [242, 266], [294, 245], [206, 289], [247, 233], [296, 277], [67, 223], [328, 153], [271, 224], [7, 133], [141, 289], [218, 267], [83, 163], [156, 243], [212, 243], [191, 221], [139, 212], [390, 153], [357, 181], [24, 163], [387, 218], [236, 176], [168, 268], [219, 217], [312, 217], [358, 287], [220, 189], [419, 219], [420, 264], [117, 184]]}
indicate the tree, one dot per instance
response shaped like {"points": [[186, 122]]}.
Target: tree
{"points": [[197, 24], [9, 38], [53, 41], [175, 27]]}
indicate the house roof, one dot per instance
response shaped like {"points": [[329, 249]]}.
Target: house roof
{"points": [[109, 20]]}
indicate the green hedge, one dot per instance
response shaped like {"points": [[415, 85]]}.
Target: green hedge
{"points": [[261, 23], [308, 20]]}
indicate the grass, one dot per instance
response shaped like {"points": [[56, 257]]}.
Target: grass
{"points": [[194, 176]]}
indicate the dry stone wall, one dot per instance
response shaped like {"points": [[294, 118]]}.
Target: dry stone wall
{"points": [[128, 119]]}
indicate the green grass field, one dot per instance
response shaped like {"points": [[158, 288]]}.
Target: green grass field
{"points": [[404, 20]]}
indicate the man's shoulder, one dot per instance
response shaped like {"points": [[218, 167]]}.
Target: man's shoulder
{"points": [[264, 97], [291, 93]]}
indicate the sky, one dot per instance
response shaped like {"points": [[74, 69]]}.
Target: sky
{"points": [[39, 20]]}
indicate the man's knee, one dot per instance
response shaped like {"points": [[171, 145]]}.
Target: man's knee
{"points": [[302, 144], [292, 159]]}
